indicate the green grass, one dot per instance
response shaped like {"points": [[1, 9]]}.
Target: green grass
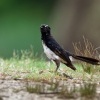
{"points": [[28, 66]]}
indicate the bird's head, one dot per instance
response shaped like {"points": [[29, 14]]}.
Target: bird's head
{"points": [[45, 30]]}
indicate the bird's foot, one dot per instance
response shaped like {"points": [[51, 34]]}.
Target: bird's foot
{"points": [[67, 76], [63, 74]]}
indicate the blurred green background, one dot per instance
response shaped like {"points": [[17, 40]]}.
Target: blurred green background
{"points": [[69, 19], [19, 24]]}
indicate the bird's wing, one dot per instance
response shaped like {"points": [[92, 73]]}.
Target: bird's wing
{"points": [[58, 50]]}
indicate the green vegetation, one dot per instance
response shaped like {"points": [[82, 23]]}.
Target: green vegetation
{"points": [[88, 90], [27, 65]]}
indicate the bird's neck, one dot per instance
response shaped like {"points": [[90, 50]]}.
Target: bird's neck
{"points": [[45, 37]]}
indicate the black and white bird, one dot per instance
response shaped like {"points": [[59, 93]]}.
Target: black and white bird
{"points": [[56, 53]]}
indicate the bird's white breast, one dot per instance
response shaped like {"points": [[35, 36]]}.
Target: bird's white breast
{"points": [[51, 55]]}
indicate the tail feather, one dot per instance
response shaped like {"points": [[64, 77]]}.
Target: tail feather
{"points": [[87, 59]]}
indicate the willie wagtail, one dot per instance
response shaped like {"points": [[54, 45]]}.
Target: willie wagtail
{"points": [[56, 53]]}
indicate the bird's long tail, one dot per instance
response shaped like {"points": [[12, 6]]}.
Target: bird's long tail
{"points": [[87, 59]]}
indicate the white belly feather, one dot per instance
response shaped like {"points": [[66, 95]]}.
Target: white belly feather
{"points": [[51, 55]]}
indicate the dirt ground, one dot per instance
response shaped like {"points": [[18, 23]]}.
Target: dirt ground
{"points": [[16, 90], [11, 89]]}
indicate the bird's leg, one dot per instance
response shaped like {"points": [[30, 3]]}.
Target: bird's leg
{"points": [[57, 64], [60, 73]]}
